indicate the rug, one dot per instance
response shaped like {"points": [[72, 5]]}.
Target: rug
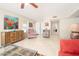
{"points": [[19, 51]]}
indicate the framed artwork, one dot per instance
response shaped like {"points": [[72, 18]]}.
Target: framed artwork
{"points": [[30, 24], [46, 24], [10, 22]]}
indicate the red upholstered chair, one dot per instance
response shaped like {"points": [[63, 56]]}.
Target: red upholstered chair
{"points": [[69, 47]]}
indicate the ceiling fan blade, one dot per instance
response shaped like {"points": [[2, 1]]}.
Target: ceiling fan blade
{"points": [[22, 5], [34, 5]]}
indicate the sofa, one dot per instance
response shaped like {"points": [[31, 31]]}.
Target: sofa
{"points": [[69, 47]]}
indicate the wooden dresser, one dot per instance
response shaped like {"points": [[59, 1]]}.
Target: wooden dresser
{"points": [[11, 37]]}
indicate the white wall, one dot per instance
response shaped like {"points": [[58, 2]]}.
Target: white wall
{"points": [[38, 28], [65, 26], [22, 20], [2, 13], [43, 25]]}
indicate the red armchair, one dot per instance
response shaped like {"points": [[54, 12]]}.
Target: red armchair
{"points": [[69, 47]]}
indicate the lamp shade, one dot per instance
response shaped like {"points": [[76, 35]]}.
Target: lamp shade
{"points": [[75, 27]]}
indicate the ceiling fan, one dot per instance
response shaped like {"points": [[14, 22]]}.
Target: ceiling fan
{"points": [[33, 4]]}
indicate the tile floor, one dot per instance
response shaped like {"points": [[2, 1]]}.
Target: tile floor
{"points": [[45, 46]]}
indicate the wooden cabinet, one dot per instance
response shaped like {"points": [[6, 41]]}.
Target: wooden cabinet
{"points": [[7, 39], [11, 37]]}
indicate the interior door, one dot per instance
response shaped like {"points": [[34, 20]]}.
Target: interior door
{"points": [[54, 27]]}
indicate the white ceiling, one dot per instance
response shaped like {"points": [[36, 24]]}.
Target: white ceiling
{"points": [[44, 9]]}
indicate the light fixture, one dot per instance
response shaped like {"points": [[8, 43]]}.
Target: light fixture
{"points": [[75, 27]]}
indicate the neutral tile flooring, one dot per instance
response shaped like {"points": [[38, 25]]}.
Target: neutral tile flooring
{"points": [[45, 46]]}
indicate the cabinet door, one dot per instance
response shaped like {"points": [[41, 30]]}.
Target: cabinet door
{"points": [[2, 38], [7, 38], [21, 35], [17, 36], [13, 36]]}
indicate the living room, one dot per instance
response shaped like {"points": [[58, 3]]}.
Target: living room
{"points": [[36, 29]]}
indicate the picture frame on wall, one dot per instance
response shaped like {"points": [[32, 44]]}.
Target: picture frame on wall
{"points": [[30, 24], [10, 22], [46, 24]]}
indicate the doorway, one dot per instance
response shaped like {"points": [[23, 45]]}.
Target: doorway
{"points": [[55, 28]]}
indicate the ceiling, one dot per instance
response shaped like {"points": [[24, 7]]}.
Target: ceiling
{"points": [[44, 10]]}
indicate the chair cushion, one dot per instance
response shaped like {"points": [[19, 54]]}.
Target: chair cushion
{"points": [[69, 47]]}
